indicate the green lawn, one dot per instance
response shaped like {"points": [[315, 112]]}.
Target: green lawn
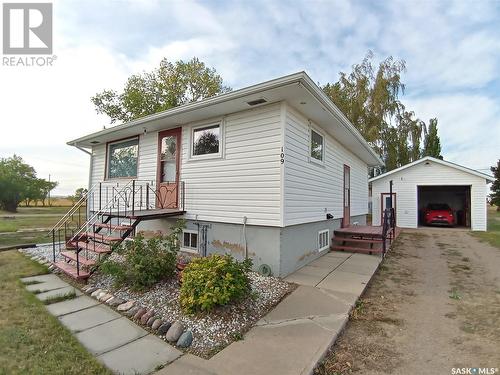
{"points": [[31, 340], [13, 226], [493, 233]]}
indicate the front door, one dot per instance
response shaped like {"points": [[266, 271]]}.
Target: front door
{"points": [[169, 147], [346, 221], [387, 202]]}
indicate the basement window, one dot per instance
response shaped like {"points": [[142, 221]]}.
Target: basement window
{"points": [[323, 240], [122, 158], [190, 241], [317, 146]]}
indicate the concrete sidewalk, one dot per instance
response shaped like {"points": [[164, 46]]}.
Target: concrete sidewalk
{"points": [[290, 339], [293, 337], [118, 343]]}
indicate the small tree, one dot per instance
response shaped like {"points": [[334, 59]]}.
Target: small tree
{"points": [[495, 187], [79, 193], [432, 144]]}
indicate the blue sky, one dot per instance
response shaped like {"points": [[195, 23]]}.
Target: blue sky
{"points": [[452, 52]]}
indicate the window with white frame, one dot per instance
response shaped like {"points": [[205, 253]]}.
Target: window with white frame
{"points": [[323, 239], [317, 146], [206, 140], [190, 240], [122, 158]]}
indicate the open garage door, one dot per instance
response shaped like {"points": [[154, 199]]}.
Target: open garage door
{"points": [[436, 197]]}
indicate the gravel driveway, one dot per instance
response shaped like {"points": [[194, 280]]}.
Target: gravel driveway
{"points": [[433, 306]]}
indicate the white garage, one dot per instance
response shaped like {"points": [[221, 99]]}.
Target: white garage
{"points": [[428, 183]]}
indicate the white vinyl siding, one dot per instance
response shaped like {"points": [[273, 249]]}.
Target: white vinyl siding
{"points": [[249, 179], [246, 181], [405, 185], [311, 190]]}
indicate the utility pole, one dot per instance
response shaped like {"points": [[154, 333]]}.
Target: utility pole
{"points": [[49, 190]]}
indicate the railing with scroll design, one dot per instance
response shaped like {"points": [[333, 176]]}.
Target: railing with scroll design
{"points": [[106, 200]]}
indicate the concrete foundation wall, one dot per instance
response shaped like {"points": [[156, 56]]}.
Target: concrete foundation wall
{"points": [[283, 249], [263, 242], [299, 243]]}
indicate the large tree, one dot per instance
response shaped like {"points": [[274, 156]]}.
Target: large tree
{"points": [[495, 187], [18, 182], [370, 98], [168, 86]]}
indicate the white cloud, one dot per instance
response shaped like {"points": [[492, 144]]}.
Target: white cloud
{"points": [[468, 125], [452, 51]]}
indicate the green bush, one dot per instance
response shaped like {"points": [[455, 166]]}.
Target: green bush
{"points": [[145, 262], [213, 281]]}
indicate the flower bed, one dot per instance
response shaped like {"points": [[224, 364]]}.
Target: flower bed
{"points": [[211, 331], [214, 330]]}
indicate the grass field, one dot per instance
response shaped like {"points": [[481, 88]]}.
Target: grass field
{"points": [[18, 228], [31, 340], [493, 233]]}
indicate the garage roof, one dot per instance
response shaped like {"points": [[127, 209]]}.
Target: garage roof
{"points": [[439, 161], [297, 89]]}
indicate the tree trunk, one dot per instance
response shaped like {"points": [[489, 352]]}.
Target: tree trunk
{"points": [[10, 206]]}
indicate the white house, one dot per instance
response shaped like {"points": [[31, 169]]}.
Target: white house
{"points": [[268, 171], [431, 180]]}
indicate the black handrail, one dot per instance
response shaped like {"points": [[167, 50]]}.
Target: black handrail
{"points": [[388, 227]]}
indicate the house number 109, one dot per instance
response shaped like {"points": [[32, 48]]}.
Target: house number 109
{"points": [[282, 156]]}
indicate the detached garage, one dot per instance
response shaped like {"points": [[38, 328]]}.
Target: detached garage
{"points": [[431, 190]]}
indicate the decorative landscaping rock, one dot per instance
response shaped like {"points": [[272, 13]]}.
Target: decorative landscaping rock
{"points": [[125, 306], [174, 332], [156, 324], [105, 297], [163, 329], [103, 293], [151, 321], [90, 289], [96, 292], [140, 313], [131, 313], [115, 301], [185, 340], [147, 316]]}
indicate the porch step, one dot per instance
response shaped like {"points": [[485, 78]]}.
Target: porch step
{"points": [[113, 226], [71, 255], [352, 249], [358, 240], [71, 271], [101, 237], [96, 247]]}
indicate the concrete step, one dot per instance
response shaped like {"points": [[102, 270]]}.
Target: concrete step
{"points": [[101, 237], [71, 255], [352, 249], [357, 240], [71, 270], [96, 247], [113, 226]]}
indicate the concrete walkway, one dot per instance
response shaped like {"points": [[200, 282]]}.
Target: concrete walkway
{"points": [[293, 337], [289, 340], [118, 343]]}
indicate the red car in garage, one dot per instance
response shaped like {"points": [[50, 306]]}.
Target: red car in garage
{"points": [[439, 213]]}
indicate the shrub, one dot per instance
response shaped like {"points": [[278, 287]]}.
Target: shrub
{"points": [[145, 262], [213, 281]]}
